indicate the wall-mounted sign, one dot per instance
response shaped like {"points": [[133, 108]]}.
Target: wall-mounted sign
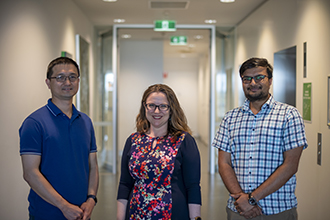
{"points": [[66, 54], [307, 102], [178, 40], [164, 25]]}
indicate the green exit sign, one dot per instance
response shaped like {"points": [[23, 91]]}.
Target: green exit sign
{"points": [[178, 40], [164, 25]]}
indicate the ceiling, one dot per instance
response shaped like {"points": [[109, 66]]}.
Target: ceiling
{"points": [[191, 12]]}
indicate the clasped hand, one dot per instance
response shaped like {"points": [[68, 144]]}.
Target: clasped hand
{"points": [[243, 206], [83, 212]]}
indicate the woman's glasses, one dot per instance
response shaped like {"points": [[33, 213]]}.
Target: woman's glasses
{"points": [[152, 107]]}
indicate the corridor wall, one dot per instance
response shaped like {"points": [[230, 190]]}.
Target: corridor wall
{"points": [[32, 33]]}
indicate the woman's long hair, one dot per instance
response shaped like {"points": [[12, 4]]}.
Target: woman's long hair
{"points": [[177, 121]]}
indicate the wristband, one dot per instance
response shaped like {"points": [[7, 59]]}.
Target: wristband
{"points": [[93, 197]]}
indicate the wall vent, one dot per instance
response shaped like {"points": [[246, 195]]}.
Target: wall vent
{"points": [[168, 5]]}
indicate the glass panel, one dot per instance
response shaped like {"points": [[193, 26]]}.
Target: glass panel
{"points": [[224, 100], [103, 106], [220, 90]]}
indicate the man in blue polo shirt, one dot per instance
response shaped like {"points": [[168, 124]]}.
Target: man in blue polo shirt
{"points": [[58, 151], [260, 144]]}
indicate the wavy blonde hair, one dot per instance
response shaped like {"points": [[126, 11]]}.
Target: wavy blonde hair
{"points": [[177, 121]]}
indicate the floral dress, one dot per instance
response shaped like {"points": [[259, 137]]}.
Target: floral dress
{"points": [[152, 167], [162, 178]]}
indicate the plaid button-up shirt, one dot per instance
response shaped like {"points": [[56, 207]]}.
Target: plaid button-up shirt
{"points": [[257, 143]]}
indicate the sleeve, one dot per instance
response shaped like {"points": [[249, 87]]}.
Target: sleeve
{"points": [[126, 181], [30, 134], [93, 141], [294, 133], [191, 169], [221, 139]]}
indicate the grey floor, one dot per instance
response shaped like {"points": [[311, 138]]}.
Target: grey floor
{"points": [[214, 193]]}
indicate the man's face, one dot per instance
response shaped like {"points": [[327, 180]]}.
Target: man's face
{"points": [[67, 89], [256, 91]]}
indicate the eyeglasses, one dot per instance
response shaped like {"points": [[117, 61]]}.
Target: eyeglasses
{"points": [[62, 78], [257, 79], [152, 107]]}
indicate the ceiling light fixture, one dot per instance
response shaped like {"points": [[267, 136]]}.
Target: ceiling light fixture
{"points": [[198, 37], [227, 1], [126, 36], [109, 0], [119, 20], [210, 21]]}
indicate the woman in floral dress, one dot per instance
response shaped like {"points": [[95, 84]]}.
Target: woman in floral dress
{"points": [[160, 169]]}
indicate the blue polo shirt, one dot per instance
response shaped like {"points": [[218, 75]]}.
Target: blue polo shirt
{"points": [[64, 145]]}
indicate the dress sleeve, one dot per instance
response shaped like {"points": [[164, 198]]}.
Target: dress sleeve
{"points": [[191, 169], [126, 181]]}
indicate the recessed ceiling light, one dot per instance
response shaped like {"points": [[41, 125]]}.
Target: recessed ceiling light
{"points": [[227, 1], [109, 0], [210, 21], [119, 20], [126, 36], [198, 37]]}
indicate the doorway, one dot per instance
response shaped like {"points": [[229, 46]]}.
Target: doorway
{"points": [[141, 62], [284, 76]]}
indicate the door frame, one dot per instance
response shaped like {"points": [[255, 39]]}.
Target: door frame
{"points": [[212, 85]]}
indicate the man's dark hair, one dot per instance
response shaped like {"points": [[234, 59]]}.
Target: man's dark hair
{"points": [[60, 60], [256, 62]]}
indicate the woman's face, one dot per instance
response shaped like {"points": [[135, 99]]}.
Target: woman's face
{"points": [[156, 113]]}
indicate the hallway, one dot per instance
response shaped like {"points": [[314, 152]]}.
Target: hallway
{"points": [[214, 193]]}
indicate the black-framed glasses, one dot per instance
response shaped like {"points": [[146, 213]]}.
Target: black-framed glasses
{"points": [[257, 79], [152, 107], [62, 78]]}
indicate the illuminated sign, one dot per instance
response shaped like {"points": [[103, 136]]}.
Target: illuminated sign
{"points": [[164, 25], [178, 40]]}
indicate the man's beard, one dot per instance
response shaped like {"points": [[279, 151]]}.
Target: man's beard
{"points": [[261, 96]]}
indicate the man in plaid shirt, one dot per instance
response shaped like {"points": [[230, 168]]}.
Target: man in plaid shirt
{"points": [[260, 144]]}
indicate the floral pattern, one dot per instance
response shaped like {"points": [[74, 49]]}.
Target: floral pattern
{"points": [[152, 168]]}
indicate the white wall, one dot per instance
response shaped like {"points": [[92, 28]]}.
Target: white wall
{"points": [[141, 65], [204, 99], [32, 33], [281, 24], [183, 78]]}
